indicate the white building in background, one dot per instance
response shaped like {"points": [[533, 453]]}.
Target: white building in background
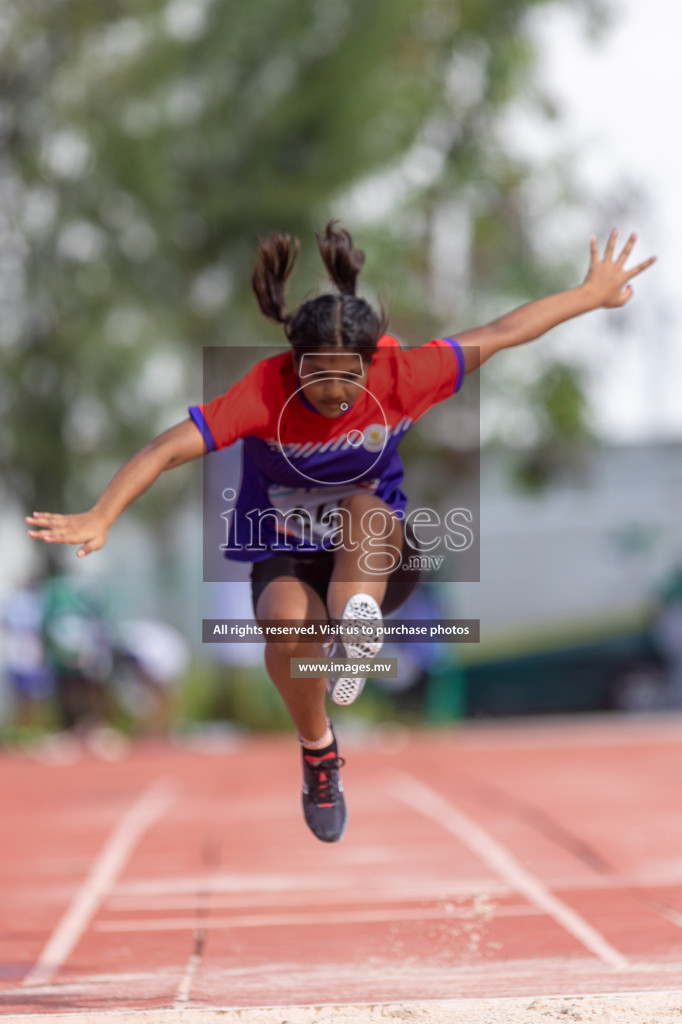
{"points": [[577, 554]]}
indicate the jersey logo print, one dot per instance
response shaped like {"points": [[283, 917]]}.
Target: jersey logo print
{"points": [[373, 437]]}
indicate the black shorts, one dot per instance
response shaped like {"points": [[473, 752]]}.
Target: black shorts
{"points": [[315, 568]]}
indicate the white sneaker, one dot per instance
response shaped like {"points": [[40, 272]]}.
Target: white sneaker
{"points": [[360, 608]]}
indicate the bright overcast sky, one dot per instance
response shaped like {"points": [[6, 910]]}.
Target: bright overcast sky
{"points": [[621, 100]]}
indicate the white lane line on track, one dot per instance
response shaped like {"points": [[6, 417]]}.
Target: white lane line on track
{"points": [[146, 810], [430, 804], [581, 969], [281, 901], [139, 895], [311, 887], [185, 987], [253, 904], [171, 924], [670, 913]]}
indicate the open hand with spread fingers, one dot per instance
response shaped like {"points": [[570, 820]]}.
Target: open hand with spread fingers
{"points": [[607, 277], [86, 528], [177, 445]]}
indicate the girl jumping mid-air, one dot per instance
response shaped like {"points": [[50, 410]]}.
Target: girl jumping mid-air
{"points": [[320, 511]]}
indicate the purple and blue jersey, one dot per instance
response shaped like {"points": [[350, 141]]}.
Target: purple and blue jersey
{"points": [[298, 465]]}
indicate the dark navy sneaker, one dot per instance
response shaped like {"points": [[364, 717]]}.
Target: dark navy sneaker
{"points": [[324, 807]]}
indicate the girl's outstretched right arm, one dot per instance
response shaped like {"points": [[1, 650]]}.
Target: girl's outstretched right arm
{"points": [[606, 286], [179, 444]]}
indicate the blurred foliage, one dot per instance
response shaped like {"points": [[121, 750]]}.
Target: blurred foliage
{"points": [[246, 698], [146, 145], [212, 692], [558, 396]]}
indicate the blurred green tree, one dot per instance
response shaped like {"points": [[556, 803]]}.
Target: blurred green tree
{"points": [[146, 145]]}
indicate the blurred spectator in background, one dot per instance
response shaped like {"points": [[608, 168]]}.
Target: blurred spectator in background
{"points": [[668, 633], [78, 650], [150, 659], [27, 673]]}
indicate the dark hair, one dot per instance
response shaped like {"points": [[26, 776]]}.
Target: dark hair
{"points": [[328, 321]]}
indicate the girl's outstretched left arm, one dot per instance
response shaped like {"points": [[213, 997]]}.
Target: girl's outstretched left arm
{"points": [[177, 445], [606, 286]]}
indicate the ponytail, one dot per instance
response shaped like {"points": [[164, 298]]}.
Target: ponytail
{"points": [[328, 321], [274, 263], [342, 260]]}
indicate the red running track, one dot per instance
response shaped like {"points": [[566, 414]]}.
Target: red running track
{"points": [[522, 859]]}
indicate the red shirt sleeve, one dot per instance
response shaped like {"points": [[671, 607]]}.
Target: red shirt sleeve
{"points": [[428, 375], [388, 341], [244, 410]]}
